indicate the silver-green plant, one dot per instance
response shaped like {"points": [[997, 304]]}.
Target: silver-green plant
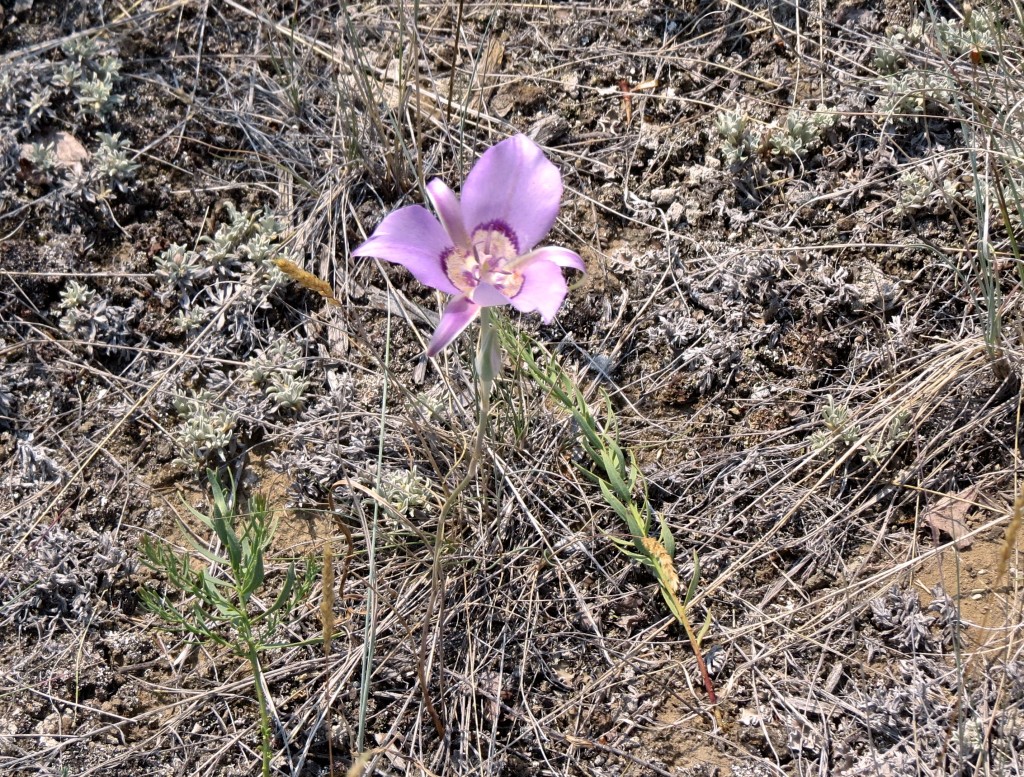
{"points": [[917, 192], [840, 431], [43, 159], [218, 599], [896, 433], [738, 143], [108, 67], [76, 296], [38, 105], [112, 161], [206, 433], [191, 319], [65, 76], [978, 31], [177, 265], [802, 132], [404, 490], [282, 357], [224, 245], [81, 48], [95, 96], [287, 392]]}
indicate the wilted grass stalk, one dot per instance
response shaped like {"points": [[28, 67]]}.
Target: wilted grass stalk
{"points": [[327, 623], [623, 488]]}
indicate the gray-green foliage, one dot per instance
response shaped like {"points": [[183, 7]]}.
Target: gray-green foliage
{"points": [[282, 357], [223, 599], [43, 159], [112, 161], [841, 432], [800, 134], [966, 71], [206, 433], [95, 96], [275, 370], [78, 89], [738, 143], [404, 489], [178, 266], [925, 190], [287, 392], [911, 82], [90, 75], [242, 248]]}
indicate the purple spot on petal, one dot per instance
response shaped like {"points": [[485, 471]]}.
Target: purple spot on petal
{"points": [[444, 258], [497, 225]]}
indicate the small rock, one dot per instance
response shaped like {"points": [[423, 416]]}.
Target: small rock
{"points": [[547, 129], [664, 195]]}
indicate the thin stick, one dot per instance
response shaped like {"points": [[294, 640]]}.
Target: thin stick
{"points": [[455, 58], [436, 599]]}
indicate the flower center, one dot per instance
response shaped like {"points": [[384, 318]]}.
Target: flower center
{"points": [[491, 259]]}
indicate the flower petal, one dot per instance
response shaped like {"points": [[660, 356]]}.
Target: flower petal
{"points": [[416, 240], [563, 257], [449, 211], [543, 290], [456, 317], [514, 183], [486, 295]]}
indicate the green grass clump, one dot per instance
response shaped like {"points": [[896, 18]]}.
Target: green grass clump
{"points": [[219, 601]]}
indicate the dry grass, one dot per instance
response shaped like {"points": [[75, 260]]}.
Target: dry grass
{"points": [[805, 359]]}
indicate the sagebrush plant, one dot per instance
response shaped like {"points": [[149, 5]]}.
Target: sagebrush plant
{"points": [[80, 163], [43, 159], [843, 432], [207, 432], [800, 134], [220, 587], [244, 247], [222, 286], [738, 141], [966, 70], [112, 162]]}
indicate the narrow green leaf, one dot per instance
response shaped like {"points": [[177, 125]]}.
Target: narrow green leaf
{"points": [[614, 477], [286, 590], [666, 537], [704, 629], [253, 577], [636, 523], [691, 590], [613, 501], [199, 547]]}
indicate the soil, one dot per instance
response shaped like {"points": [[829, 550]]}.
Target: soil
{"points": [[796, 351]]}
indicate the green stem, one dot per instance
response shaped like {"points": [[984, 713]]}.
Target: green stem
{"points": [[261, 701], [485, 375]]}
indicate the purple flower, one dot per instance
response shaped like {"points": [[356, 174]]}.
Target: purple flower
{"points": [[482, 249]]}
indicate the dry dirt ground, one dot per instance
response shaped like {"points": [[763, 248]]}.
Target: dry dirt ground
{"points": [[803, 301]]}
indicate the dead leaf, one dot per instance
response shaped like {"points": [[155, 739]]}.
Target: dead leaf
{"points": [[947, 516]]}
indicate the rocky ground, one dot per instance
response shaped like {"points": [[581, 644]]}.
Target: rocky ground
{"points": [[803, 305]]}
